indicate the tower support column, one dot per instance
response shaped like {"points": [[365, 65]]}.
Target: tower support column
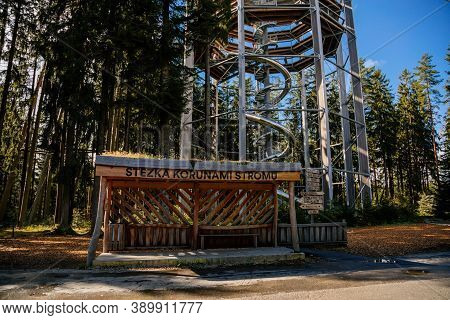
{"points": [[242, 93], [305, 129], [324, 130], [186, 116], [346, 134], [361, 134]]}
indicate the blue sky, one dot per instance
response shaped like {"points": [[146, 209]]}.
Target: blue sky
{"points": [[378, 21]]}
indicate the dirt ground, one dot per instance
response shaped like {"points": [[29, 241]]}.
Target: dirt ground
{"points": [[398, 240], [35, 251]]}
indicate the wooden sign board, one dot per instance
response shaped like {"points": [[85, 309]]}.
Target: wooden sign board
{"points": [[312, 193], [313, 187], [312, 173], [312, 199], [195, 175], [313, 212], [311, 206]]}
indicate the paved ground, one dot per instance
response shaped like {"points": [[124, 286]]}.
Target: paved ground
{"points": [[326, 275], [191, 257]]}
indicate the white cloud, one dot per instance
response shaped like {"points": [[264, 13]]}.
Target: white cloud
{"points": [[373, 63]]}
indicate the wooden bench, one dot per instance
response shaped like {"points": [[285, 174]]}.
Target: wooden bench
{"points": [[253, 235]]}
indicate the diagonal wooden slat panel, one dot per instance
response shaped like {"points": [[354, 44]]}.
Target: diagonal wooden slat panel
{"points": [[183, 195], [163, 210], [161, 218], [265, 211], [124, 208], [268, 217], [205, 195], [182, 206], [213, 199], [231, 206], [249, 195], [173, 209], [257, 206], [123, 214], [243, 214], [189, 193], [138, 202], [220, 206], [132, 211]]}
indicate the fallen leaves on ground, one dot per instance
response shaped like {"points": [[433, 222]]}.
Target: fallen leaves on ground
{"points": [[38, 251], [41, 252], [398, 240]]}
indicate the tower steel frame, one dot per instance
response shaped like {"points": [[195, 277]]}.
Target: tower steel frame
{"points": [[284, 37]]}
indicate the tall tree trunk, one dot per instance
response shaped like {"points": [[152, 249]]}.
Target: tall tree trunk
{"points": [[164, 77], [433, 137], [40, 189], [108, 65], [29, 121], [207, 104], [4, 25], [60, 184], [385, 175], [8, 77], [391, 177], [11, 177], [30, 157], [48, 194], [126, 142], [69, 178]]}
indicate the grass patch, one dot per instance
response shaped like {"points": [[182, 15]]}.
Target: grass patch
{"points": [[37, 230]]}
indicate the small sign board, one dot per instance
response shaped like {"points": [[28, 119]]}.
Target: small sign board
{"points": [[311, 206], [312, 193], [312, 199]]}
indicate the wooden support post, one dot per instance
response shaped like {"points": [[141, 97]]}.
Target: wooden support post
{"points": [[275, 216], [195, 220], [361, 134], [106, 230], [321, 88], [293, 218], [346, 133], [98, 223]]}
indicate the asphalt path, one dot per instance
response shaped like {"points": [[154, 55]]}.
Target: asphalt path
{"points": [[325, 275]]}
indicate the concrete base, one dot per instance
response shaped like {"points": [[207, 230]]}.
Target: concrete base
{"points": [[199, 257]]}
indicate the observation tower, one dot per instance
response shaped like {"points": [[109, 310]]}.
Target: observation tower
{"points": [[276, 49]]}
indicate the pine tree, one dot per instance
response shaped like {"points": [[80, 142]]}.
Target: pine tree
{"points": [[381, 125], [429, 79]]}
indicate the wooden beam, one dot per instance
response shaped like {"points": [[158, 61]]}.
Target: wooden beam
{"points": [[98, 223], [175, 180], [275, 216], [195, 220], [293, 218], [106, 230], [164, 211], [231, 206], [254, 226]]}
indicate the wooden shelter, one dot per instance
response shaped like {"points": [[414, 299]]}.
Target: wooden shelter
{"points": [[149, 203]]}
